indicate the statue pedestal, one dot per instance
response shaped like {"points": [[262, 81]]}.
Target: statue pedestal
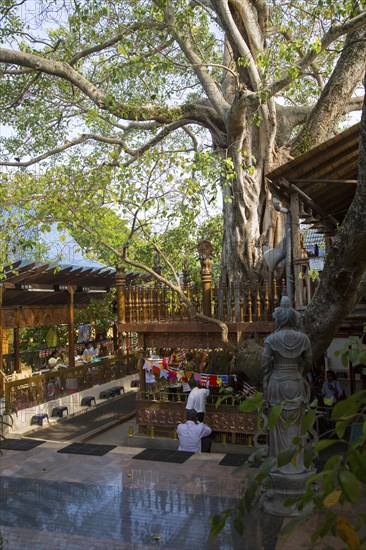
{"points": [[282, 487]]}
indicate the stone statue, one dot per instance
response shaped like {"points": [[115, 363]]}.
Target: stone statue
{"points": [[286, 359]]}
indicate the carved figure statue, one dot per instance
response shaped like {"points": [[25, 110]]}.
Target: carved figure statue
{"points": [[286, 358]]}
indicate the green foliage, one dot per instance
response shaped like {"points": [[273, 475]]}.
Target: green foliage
{"points": [[342, 479], [340, 483], [36, 337], [353, 350], [143, 135], [100, 313]]}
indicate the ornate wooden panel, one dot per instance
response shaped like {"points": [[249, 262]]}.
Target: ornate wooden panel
{"points": [[35, 316], [220, 421]]}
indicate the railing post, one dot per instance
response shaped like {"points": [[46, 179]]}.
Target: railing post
{"points": [[71, 327], [17, 340], [258, 302], [121, 306], [2, 376], [205, 255]]}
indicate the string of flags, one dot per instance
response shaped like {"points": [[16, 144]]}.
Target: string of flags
{"points": [[162, 369]]}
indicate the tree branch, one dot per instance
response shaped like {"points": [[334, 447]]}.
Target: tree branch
{"points": [[222, 8], [336, 31], [177, 288], [114, 40], [208, 84]]}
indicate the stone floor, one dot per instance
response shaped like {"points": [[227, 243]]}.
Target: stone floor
{"points": [[54, 501], [57, 501]]}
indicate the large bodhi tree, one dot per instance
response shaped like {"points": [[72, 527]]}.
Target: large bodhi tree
{"points": [[227, 88]]}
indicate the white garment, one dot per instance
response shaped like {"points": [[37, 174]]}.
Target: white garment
{"points": [[149, 377], [90, 351], [53, 361], [197, 399], [190, 435]]}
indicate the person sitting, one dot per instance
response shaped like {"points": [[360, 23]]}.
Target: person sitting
{"points": [[194, 436], [197, 399], [89, 353], [332, 390], [54, 359]]}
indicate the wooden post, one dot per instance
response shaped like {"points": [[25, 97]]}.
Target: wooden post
{"points": [[17, 340], [142, 379], [205, 255], [2, 376], [121, 306], [71, 326], [296, 244]]}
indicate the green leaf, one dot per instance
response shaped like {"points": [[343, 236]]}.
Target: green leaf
{"points": [[357, 462], [274, 415], [349, 485], [250, 492], [284, 457], [252, 404], [308, 421], [218, 522], [239, 525], [324, 444], [341, 428], [349, 406], [308, 455]]}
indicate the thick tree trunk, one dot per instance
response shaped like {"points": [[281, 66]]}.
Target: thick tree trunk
{"points": [[242, 242], [345, 264]]}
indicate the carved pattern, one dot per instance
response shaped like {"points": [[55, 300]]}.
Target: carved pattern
{"points": [[30, 317], [219, 422], [157, 417]]}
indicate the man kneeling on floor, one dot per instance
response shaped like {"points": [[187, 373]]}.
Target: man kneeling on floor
{"points": [[194, 436]]}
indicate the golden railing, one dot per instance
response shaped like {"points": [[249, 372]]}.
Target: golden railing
{"points": [[239, 303]]}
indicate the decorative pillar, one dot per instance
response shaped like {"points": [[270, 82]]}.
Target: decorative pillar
{"points": [[71, 326], [2, 377], [185, 272], [17, 340], [121, 307], [296, 245], [142, 379], [205, 255]]}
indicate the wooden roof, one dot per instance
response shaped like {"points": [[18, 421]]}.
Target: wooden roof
{"points": [[325, 179], [29, 283]]}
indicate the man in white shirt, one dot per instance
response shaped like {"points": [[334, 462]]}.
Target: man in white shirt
{"points": [[197, 399], [150, 379], [193, 435], [89, 353]]}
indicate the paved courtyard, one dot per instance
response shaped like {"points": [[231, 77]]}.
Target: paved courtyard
{"points": [[53, 501]]}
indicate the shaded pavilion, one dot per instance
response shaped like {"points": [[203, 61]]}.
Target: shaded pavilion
{"points": [[46, 294]]}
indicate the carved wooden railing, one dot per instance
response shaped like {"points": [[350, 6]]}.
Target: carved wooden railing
{"points": [[239, 303], [41, 388], [159, 417]]}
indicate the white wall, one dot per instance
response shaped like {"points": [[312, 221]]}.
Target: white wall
{"points": [[22, 420]]}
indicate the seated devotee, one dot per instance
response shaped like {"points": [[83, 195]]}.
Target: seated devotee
{"points": [[54, 359], [194, 436], [332, 390], [89, 353]]}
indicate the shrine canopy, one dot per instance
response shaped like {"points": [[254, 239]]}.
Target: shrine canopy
{"points": [[28, 283], [324, 178], [44, 283]]}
